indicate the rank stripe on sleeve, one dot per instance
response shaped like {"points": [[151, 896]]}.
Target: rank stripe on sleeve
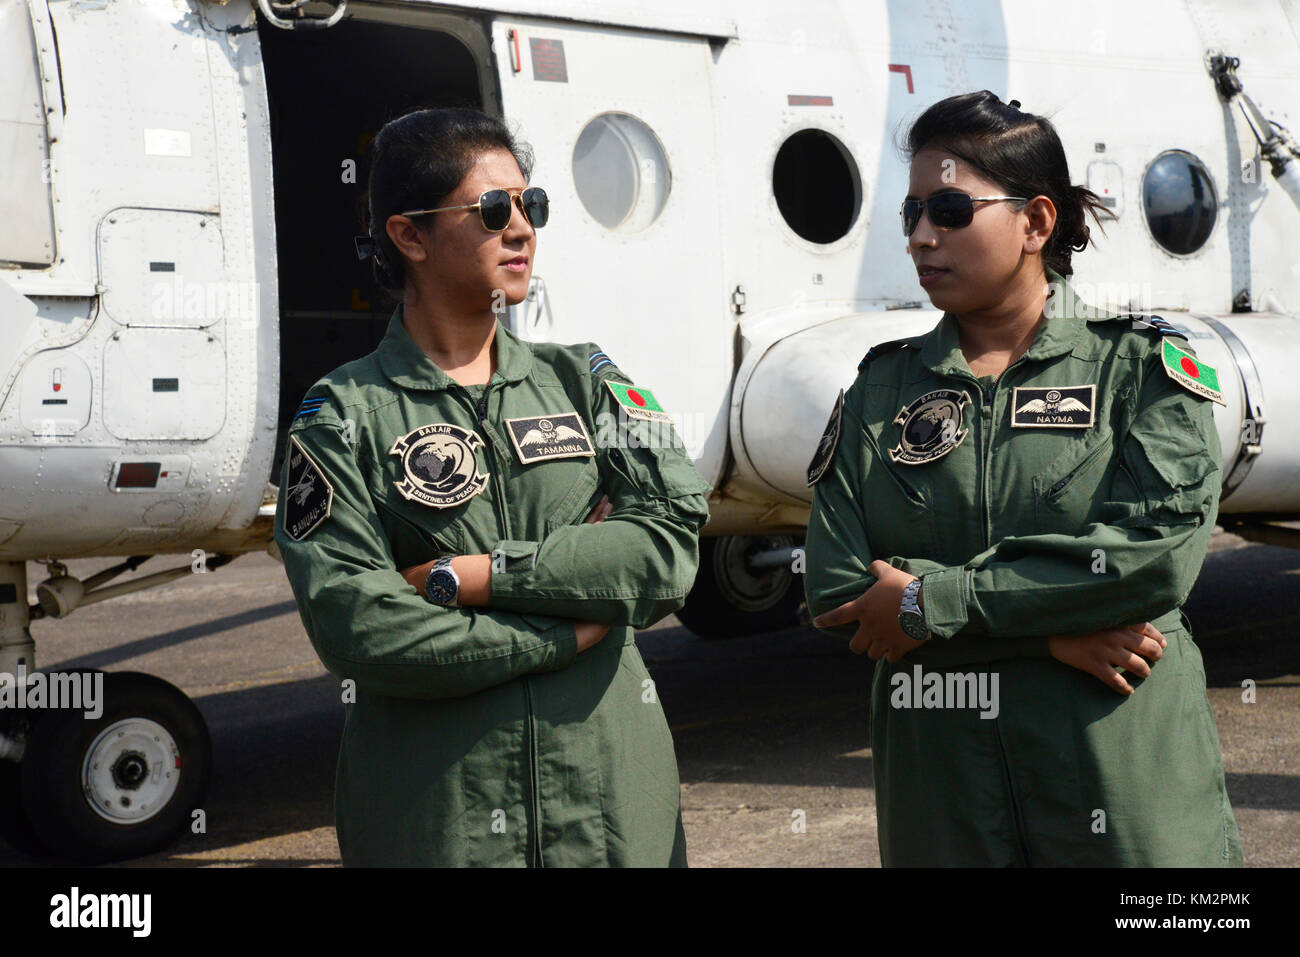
{"points": [[309, 407], [1191, 373]]}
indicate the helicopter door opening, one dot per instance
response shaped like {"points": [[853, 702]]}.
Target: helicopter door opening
{"points": [[330, 91]]}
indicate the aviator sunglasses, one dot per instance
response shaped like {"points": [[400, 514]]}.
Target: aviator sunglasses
{"points": [[947, 210], [496, 206]]}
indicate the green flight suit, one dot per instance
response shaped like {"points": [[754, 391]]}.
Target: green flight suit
{"points": [[1096, 515], [480, 735]]}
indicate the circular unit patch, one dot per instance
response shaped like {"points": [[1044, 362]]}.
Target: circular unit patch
{"points": [[438, 465], [932, 427]]}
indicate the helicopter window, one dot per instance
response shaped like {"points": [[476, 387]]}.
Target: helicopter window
{"points": [[1179, 201], [621, 172], [25, 210], [817, 186]]}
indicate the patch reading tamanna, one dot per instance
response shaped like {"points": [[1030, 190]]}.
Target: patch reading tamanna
{"points": [[826, 447], [438, 465], [309, 495], [1057, 407], [560, 435], [932, 427]]}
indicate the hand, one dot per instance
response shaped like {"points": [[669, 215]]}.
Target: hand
{"points": [[589, 633], [599, 511], [1101, 652], [876, 611]]}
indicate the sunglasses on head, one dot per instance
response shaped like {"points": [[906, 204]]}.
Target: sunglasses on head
{"points": [[947, 210], [496, 206]]}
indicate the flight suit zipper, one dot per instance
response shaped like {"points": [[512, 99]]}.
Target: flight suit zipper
{"points": [[534, 805], [498, 493], [986, 444], [498, 497], [986, 427]]}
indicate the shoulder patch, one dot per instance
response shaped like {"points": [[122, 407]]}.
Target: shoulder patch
{"points": [[879, 350], [308, 497], [637, 402], [821, 459], [1190, 372]]}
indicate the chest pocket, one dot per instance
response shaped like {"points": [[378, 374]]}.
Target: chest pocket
{"points": [[1070, 491], [418, 532], [898, 513], [576, 502]]}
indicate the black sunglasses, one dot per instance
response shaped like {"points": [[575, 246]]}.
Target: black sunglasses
{"points": [[496, 206], [947, 210]]}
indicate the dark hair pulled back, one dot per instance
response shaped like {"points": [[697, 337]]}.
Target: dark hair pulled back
{"points": [[1018, 151], [416, 161]]}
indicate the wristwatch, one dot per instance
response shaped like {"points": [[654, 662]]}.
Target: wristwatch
{"points": [[910, 618], [442, 587]]}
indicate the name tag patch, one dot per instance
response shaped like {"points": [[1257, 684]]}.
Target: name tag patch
{"points": [[308, 498], [438, 465], [561, 435], [1062, 407]]}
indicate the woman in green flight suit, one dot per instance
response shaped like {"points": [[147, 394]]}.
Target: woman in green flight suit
{"points": [[1007, 510], [442, 524]]}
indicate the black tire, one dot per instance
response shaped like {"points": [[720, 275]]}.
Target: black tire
{"points": [[15, 828], [729, 602], [57, 777]]}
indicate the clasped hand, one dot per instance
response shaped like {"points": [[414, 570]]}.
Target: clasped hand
{"points": [[475, 574], [1102, 654]]}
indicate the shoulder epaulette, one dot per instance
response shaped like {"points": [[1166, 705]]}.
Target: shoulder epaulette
{"points": [[1157, 324], [879, 349]]}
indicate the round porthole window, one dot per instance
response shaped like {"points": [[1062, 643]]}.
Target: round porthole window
{"points": [[817, 186], [621, 172], [1179, 202]]}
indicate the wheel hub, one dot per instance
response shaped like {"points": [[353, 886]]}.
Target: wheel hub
{"points": [[131, 770], [744, 587]]}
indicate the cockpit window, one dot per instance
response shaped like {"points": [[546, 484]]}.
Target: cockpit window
{"points": [[1179, 201]]}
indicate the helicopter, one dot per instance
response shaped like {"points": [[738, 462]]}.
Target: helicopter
{"points": [[176, 270]]}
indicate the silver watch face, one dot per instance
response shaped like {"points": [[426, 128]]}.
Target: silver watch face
{"points": [[442, 586], [913, 626]]}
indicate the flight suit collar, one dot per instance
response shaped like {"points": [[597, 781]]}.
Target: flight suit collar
{"points": [[1058, 334], [406, 365]]}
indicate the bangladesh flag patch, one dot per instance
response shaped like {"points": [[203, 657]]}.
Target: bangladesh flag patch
{"points": [[639, 403], [1190, 372]]}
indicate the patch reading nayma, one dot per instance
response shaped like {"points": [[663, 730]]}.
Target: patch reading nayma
{"points": [[931, 427], [308, 498], [826, 447], [561, 435], [438, 465], [1059, 407]]}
